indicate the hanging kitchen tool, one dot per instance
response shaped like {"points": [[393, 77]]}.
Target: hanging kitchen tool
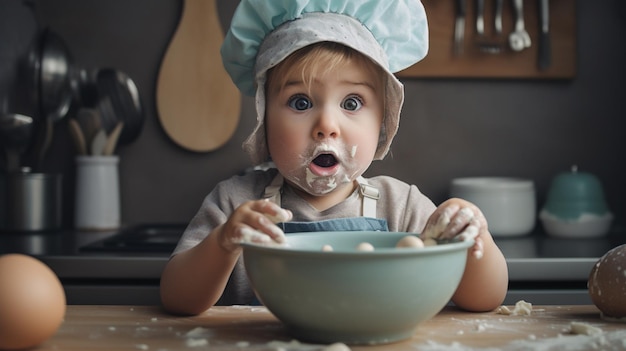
{"points": [[119, 101], [545, 55], [55, 87], [519, 39], [489, 46], [459, 27], [198, 105]]}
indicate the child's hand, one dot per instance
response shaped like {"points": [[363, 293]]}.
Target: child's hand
{"points": [[254, 221], [458, 218]]}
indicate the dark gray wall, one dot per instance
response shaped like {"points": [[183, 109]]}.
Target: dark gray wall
{"points": [[449, 128]]}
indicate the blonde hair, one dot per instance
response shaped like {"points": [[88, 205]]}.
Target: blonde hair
{"points": [[316, 60]]}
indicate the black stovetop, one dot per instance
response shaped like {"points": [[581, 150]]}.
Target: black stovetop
{"points": [[150, 238], [162, 238]]}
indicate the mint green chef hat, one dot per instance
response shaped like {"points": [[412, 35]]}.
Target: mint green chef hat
{"points": [[393, 34]]}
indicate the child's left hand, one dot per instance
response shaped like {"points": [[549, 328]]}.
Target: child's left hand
{"points": [[458, 218]]}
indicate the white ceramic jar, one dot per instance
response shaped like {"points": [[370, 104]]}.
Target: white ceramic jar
{"points": [[97, 193], [509, 204]]}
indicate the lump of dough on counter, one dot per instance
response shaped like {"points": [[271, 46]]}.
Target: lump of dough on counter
{"points": [[410, 241], [365, 247], [327, 248], [522, 308], [607, 283], [580, 328]]}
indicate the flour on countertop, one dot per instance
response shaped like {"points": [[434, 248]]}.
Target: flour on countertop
{"points": [[193, 342], [522, 308], [198, 337], [198, 331], [607, 341], [481, 325], [584, 328], [295, 345], [613, 319]]}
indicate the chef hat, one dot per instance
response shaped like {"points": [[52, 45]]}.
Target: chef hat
{"points": [[393, 34]]}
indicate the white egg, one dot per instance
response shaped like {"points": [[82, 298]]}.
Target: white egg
{"points": [[410, 241], [365, 247]]}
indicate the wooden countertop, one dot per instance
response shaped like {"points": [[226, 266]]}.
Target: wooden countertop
{"points": [[254, 328]]}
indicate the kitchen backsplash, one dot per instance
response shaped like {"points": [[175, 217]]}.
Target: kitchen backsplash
{"points": [[450, 127]]}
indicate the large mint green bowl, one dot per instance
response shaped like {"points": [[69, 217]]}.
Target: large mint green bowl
{"points": [[351, 296]]}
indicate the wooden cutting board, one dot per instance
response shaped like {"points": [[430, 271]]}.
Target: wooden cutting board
{"points": [[197, 103]]}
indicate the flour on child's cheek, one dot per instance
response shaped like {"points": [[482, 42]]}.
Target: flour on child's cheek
{"points": [[353, 150]]}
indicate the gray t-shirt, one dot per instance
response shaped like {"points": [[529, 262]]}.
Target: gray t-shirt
{"points": [[404, 207]]}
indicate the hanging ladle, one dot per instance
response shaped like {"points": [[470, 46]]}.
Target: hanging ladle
{"points": [[55, 86]]}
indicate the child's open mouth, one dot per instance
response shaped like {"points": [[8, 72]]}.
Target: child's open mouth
{"points": [[325, 160], [324, 165]]}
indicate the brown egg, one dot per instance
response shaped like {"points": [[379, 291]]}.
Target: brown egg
{"points": [[607, 283], [32, 302]]}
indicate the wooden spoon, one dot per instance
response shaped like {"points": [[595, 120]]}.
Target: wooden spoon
{"points": [[89, 121], [198, 104], [98, 143], [78, 137], [111, 143]]}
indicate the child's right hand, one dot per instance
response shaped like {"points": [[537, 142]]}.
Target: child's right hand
{"points": [[253, 221]]}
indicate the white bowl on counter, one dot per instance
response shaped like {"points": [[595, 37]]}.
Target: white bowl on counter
{"points": [[509, 204]]}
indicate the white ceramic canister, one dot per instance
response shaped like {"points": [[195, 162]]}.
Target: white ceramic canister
{"points": [[97, 204], [509, 204]]}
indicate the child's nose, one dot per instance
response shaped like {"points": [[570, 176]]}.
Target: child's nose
{"points": [[327, 125]]}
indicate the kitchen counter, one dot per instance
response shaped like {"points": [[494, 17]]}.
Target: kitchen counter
{"points": [[254, 328], [96, 269]]}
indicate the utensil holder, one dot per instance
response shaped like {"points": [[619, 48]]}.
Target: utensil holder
{"points": [[97, 204]]}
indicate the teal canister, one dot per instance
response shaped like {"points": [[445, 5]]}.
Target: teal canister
{"points": [[576, 206]]}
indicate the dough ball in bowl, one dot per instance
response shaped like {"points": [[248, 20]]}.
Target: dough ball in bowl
{"points": [[607, 283]]}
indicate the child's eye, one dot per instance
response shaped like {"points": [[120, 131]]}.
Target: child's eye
{"points": [[352, 103], [299, 103]]}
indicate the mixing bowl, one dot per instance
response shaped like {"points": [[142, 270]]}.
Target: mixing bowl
{"points": [[509, 204], [351, 296]]}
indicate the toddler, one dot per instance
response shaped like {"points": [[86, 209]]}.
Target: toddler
{"points": [[327, 105]]}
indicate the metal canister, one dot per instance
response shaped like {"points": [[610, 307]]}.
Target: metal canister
{"points": [[31, 201]]}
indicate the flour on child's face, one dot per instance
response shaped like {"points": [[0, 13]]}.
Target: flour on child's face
{"points": [[319, 182], [332, 139]]}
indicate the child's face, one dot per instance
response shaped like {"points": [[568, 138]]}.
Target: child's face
{"points": [[323, 137]]}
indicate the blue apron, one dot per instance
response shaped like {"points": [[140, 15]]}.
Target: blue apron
{"points": [[367, 221]]}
